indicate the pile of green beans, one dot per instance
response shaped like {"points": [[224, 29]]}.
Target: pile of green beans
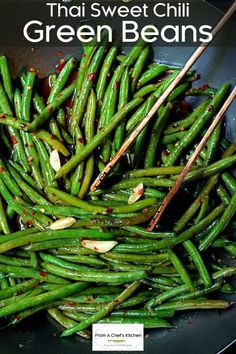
{"points": [[91, 108]]}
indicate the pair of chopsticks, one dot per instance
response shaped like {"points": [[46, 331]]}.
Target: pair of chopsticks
{"points": [[157, 105]]}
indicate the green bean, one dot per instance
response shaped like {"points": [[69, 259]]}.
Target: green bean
{"points": [[139, 114], [173, 138], [57, 261], [138, 67], [145, 90], [181, 269], [201, 91], [42, 298], [103, 311], [6, 77], [28, 190], [187, 122], [138, 147], [194, 304], [229, 181], [10, 183], [157, 130], [109, 108], [3, 220], [84, 63], [46, 114], [15, 137], [21, 272], [148, 182], [31, 311], [15, 261], [198, 125], [52, 141], [102, 79], [135, 258], [47, 171], [89, 134], [178, 91], [67, 322], [123, 100], [62, 79], [151, 74], [83, 260], [199, 263], [22, 155], [212, 145], [166, 295], [79, 171], [87, 85], [137, 230], [220, 226], [101, 277], [198, 292]]}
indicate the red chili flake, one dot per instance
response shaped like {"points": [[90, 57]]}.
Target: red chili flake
{"points": [[71, 303], [165, 153], [18, 318], [2, 169], [84, 55], [89, 299], [95, 248], [43, 274], [145, 210], [203, 87], [91, 76], [81, 140], [59, 54], [117, 300], [190, 322], [117, 85], [54, 137], [109, 210], [13, 140], [60, 66], [3, 116], [50, 110], [30, 222], [211, 108]]}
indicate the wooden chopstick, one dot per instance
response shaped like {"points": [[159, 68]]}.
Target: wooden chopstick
{"points": [[194, 156], [101, 177]]}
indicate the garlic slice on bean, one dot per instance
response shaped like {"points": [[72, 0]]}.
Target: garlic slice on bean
{"points": [[136, 193], [62, 224], [55, 161], [99, 246]]}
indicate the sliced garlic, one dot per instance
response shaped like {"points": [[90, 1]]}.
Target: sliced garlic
{"points": [[55, 160], [99, 246], [62, 224], [136, 193]]}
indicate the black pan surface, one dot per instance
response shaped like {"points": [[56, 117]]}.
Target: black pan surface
{"points": [[206, 332]]}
